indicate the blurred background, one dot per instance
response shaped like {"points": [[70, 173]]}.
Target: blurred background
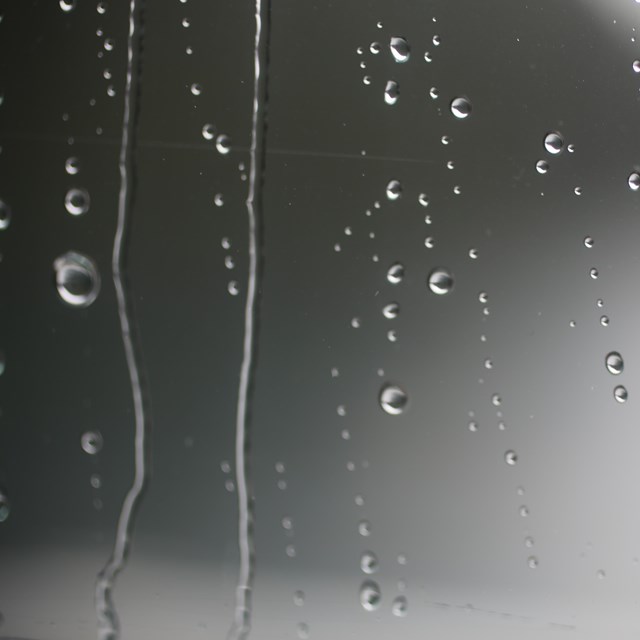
{"points": [[443, 427]]}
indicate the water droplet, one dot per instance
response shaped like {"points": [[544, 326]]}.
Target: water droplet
{"points": [[400, 49], [5, 215], [225, 467], [588, 242], [91, 442], [72, 166], [379, 24], [67, 5], [391, 92], [223, 144], [429, 242], [218, 199], [186, 23], [370, 595], [393, 399], [473, 254], [528, 542], [553, 142], [359, 500], [391, 310], [461, 107], [614, 363], [108, 44], [457, 190], [423, 199], [395, 273], [302, 630], [620, 394], [366, 79], [355, 323], [196, 89], [375, 48], [511, 457], [5, 507], [434, 93], [427, 56], [532, 562], [436, 41], [445, 140], [483, 297], [298, 598], [399, 607], [77, 279], [101, 8], [542, 166], [523, 511], [450, 165], [233, 288], [208, 132], [636, 66], [369, 562], [473, 426], [604, 321], [287, 523], [230, 486], [394, 190], [578, 191], [77, 201], [601, 574], [488, 363], [290, 550], [402, 559], [593, 272], [634, 181], [440, 281], [364, 528], [225, 243], [496, 400]]}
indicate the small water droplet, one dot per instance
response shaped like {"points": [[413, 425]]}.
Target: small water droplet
{"points": [[440, 281], [429, 242], [483, 297], [364, 528], [511, 457], [96, 481], [369, 562], [395, 273], [634, 181], [400, 49], [542, 166], [532, 562], [72, 166], [391, 310], [77, 201], [108, 44], [399, 607], [457, 189], [423, 199], [604, 321], [366, 80], [233, 288], [394, 189], [601, 574], [302, 630], [620, 394], [223, 144], [523, 511], [299, 598], [578, 191], [287, 523], [588, 242], [375, 48], [473, 254], [393, 400], [77, 279], [473, 426], [553, 142], [196, 89], [67, 5], [5, 215], [427, 56], [208, 131], [91, 442], [218, 199], [370, 595], [186, 23], [461, 107], [528, 542], [593, 272], [496, 400], [355, 323], [391, 92], [436, 41], [636, 66], [434, 93]]}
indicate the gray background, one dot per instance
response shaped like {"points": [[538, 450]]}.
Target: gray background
{"points": [[432, 489]]}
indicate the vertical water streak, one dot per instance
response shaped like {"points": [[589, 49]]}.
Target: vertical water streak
{"points": [[242, 617], [108, 625]]}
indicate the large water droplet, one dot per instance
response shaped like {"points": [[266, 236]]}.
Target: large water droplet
{"points": [[91, 442], [394, 190], [400, 49], [461, 107], [5, 215], [77, 201], [67, 5], [620, 394], [77, 279], [395, 273], [614, 363], [393, 399], [634, 181], [370, 595], [399, 607], [440, 281], [369, 562], [553, 142], [391, 92]]}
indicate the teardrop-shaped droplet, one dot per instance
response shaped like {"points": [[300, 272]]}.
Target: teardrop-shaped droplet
{"points": [[400, 49], [391, 92]]}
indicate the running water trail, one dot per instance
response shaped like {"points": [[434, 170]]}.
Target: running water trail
{"points": [[242, 618], [108, 624]]}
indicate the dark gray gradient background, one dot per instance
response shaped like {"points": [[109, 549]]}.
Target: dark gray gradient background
{"points": [[432, 490]]}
